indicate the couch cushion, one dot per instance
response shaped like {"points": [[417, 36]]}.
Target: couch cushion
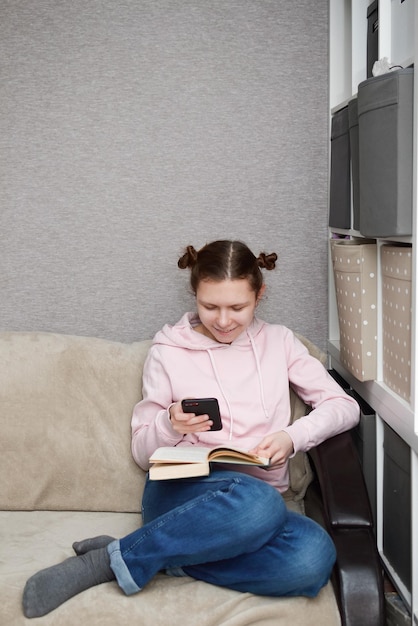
{"points": [[39, 539], [65, 411]]}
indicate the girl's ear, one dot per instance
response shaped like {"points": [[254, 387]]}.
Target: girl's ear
{"points": [[261, 293]]}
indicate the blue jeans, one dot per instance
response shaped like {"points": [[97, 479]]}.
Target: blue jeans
{"points": [[229, 529]]}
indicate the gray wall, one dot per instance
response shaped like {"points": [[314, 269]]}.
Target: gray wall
{"points": [[131, 128]]}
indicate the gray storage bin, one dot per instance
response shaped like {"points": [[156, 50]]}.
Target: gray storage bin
{"points": [[385, 111], [397, 504], [354, 155], [340, 193]]}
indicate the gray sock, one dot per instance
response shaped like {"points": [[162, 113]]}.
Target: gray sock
{"points": [[81, 547], [52, 586]]}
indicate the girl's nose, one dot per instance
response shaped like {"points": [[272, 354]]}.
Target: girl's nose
{"points": [[223, 319]]}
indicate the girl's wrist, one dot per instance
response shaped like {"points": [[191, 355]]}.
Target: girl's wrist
{"points": [[169, 411]]}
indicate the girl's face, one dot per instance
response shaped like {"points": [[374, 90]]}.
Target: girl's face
{"points": [[226, 308]]}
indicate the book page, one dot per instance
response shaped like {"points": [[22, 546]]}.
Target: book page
{"points": [[199, 454], [180, 454], [232, 455]]}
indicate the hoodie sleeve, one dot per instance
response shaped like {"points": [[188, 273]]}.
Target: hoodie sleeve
{"points": [[151, 426], [333, 412]]}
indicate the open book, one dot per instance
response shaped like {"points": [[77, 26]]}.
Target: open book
{"points": [[186, 461]]}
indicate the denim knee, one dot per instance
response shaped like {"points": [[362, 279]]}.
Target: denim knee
{"points": [[320, 557], [329, 557], [262, 501]]}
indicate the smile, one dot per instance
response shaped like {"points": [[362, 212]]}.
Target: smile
{"points": [[225, 332]]}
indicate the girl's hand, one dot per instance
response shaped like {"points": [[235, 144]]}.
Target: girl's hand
{"points": [[277, 447], [185, 423]]}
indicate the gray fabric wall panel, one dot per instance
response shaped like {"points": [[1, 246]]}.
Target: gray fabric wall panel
{"points": [[130, 129]]}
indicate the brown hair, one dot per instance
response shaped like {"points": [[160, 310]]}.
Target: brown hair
{"points": [[226, 260]]}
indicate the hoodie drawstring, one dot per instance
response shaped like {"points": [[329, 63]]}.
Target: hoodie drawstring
{"points": [[218, 380], [260, 383], [260, 379]]}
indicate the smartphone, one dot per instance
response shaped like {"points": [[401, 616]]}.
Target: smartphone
{"points": [[204, 406]]}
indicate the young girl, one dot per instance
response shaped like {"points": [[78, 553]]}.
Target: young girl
{"points": [[231, 528]]}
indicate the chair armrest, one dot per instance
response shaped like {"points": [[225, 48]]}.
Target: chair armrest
{"points": [[340, 502], [341, 481]]}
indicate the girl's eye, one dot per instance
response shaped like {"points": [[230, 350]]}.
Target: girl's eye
{"points": [[237, 308]]}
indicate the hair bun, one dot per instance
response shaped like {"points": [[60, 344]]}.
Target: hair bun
{"points": [[267, 261], [188, 259]]}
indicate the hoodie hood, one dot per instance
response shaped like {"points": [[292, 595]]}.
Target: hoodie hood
{"points": [[182, 335]]}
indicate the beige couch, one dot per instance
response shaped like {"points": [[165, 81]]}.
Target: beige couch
{"points": [[67, 473]]}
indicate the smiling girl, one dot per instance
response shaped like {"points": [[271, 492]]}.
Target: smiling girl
{"points": [[231, 528]]}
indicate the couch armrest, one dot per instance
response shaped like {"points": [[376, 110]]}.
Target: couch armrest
{"points": [[338, 499], [341, 480]]}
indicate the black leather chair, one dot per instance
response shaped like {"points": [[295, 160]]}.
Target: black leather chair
{"points": [[337, 498]]}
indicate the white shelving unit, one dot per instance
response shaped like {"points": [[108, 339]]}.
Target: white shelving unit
{"points": [[398, 41]]}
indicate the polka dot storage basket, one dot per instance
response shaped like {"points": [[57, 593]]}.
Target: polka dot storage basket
{"points": [[396, 265], [355, 275]]}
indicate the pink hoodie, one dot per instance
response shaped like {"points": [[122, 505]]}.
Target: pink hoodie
{"points": [[250, 377]]}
